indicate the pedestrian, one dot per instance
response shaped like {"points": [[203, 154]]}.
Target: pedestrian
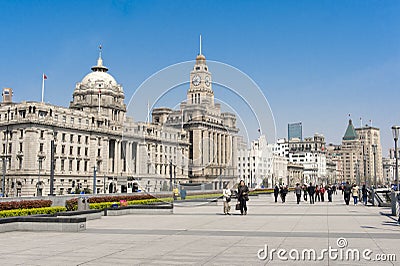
{"points": [[346, 190], [311, 191], [276, 192], [297, 191], [343, 186], [175, 193], [243, 197], [317, 197], [322, 193], [283, 192], [334, 189], [226, 198], [364, 192], [329, 191], [354, 192], [305, 192]]}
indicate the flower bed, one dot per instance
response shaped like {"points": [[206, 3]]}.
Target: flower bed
{"points": [[31, 211], [24, 204]]}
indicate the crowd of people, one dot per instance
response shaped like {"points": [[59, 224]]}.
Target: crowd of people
{"points": [[312, 193]]}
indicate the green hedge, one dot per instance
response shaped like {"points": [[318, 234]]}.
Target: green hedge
{"points": [[33, 211], [103, 205]]}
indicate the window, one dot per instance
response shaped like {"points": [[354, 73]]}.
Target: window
{"points": [[55, 148], [10, 149], [99, 152], [85, 166], [63, 137], [20, 146], [79, 151], [71, 150], [56, 117], [99, 141], [41, 147], [21, 132], [86, 151], [79, 139], [20, 164], [62, 164], [62, 149], [70, 165], [78, 165], [72, 120], [64, 119], [71, 138], [86, 140]]}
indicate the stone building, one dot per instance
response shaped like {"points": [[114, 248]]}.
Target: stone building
{"points": [[212, 133], [92, 135], [358, 156]]}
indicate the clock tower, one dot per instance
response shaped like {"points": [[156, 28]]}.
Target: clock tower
{"points": [[200, 90]]}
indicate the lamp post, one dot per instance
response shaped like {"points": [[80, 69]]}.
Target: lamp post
{"points": [[374, 146], [94, 179], [5, 157], [395, 131]]}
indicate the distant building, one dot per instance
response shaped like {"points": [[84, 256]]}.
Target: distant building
{"points": [[358, 157], [295, 130]]}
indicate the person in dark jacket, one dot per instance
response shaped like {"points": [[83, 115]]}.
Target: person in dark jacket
{"points": [[329, 191], [347, 192], [305, 192], [297, 191], [243, 197], [311, 191], [284, 191], [276, 193], [317, 197], [364, 194]]}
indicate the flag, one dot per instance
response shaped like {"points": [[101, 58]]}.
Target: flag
{"points": [[44, 76]]}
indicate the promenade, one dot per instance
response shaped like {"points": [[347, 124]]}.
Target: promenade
{"points": [[202, 235]]}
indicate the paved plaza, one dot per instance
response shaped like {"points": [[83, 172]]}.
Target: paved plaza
{"points": [[201, 235]]}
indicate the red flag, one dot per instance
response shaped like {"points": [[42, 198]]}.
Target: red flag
{"points": [[44, 76]]}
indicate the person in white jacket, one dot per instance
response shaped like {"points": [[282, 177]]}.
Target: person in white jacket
{"points": [[226, 198]]}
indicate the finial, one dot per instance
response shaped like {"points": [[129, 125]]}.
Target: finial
{"points": [[200, 43], [100, 60]]}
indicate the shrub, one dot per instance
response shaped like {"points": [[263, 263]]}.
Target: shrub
{"points": [[31, 211], [24, 204]]}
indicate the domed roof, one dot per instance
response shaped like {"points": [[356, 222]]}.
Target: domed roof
{"points": [[96, 77]]}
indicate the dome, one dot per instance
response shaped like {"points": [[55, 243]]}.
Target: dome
{"points": [[99, 77]]}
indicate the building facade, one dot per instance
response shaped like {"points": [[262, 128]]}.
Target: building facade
{"points": [[212, 133], [92, 136]]}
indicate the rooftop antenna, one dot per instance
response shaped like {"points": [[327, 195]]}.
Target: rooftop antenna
{"points": [[200, 43]]}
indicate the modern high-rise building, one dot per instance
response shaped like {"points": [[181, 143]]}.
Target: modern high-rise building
{"points": [[295, 130]]}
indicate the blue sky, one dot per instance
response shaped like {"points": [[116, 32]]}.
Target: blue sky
{"points": [[316, 61]]}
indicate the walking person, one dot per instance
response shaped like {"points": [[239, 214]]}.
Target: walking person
{"points": [[354, 192], [305, 192], [297, 191], [346, 190], [276, 192], [364, 193], [317, 197], [329, 191], [322, 193], [311, 191], [243, 197], [283, 192], [227, 193]]}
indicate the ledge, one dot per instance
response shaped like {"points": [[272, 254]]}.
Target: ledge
{"points": [[140, 209], [43, 223]]}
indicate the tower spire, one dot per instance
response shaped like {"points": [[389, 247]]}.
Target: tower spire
{"points": [[99, 67], [200, 45]]}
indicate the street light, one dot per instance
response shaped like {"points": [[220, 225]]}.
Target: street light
{"points": [[395, 131], [374, 146]]}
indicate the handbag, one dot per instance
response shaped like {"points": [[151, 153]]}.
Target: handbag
{"points": [[237, 206], [228, 199]]}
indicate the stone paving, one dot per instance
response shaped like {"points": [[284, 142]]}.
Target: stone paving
{"points": [[202, 235]]}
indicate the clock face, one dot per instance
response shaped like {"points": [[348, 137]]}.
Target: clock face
{"points": [[208, 81], [196, 80]]}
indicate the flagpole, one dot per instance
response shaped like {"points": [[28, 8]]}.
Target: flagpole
{"points": [[42, 87]]}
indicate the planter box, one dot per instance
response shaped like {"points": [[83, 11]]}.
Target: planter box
{"points": [[140, 209]]}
